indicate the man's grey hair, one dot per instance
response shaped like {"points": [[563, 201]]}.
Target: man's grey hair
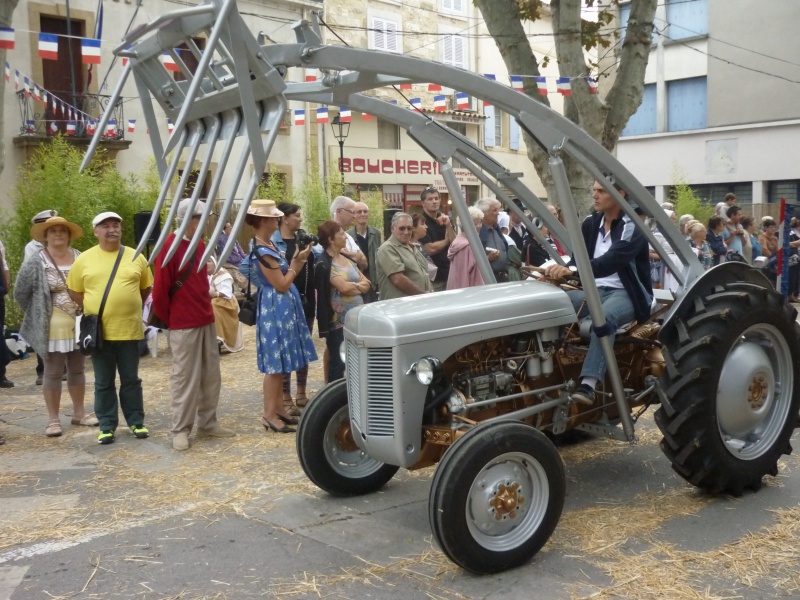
{"points": [[484, 204], [339, 202], [401, 215]]}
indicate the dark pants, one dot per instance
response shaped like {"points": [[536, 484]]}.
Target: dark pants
{"points": [[4, 353], [333, 341], [122, 356]]}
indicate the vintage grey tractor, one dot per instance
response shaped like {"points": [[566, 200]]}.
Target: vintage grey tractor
{"points": [[479, 380]]}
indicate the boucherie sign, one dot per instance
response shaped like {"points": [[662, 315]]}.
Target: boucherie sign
{"points": [[362, 165]]}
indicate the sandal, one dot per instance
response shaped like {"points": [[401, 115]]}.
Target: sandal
{"points": [[301, 400], [86, 421], [53, 429]]}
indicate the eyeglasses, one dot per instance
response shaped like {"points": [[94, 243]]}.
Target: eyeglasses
{"points": [[404, 228], [348, 210]]}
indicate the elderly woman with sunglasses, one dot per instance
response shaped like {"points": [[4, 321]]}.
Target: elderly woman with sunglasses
{"points": [[49, 323]]}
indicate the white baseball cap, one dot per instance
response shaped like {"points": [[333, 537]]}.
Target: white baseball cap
{"points": [[105, 215], [183, 208], [43, 216]]}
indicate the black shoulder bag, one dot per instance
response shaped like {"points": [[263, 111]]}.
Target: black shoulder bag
{"points": [[90, 339], [153, 320], [247, 311]]}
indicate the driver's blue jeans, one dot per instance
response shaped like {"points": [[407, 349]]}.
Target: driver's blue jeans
{"points": [[618, 310]]}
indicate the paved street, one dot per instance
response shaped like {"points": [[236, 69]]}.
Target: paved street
{"points": [[238, 519]]}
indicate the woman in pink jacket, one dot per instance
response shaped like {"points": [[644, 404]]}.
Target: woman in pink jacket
{"points": [[463, 268]]}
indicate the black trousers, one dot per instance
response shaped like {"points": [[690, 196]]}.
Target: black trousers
{"points": [[5, 355]]}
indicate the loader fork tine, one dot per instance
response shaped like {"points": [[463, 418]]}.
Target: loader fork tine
{"points": [[195, 134], [230, 126], [271, 120], [160, 200], [212, 136]]}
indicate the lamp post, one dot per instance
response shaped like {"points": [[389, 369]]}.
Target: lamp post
{"points": [[341, 129]]}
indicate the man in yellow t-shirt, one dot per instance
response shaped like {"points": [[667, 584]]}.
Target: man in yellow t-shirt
{"points": [[121, 322]]}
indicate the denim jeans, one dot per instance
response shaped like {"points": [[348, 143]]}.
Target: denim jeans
{"points": [[122, 356], [334, 341], [618, 310]]}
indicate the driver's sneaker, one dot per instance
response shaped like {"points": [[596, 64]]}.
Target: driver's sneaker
{"points": [[583, 395], [106, 437], [140, 431]]}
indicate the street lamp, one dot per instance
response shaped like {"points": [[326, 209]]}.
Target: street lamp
{"points": [[341, 129]]}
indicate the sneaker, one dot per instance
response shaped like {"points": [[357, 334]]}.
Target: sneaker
{"points": [[140, 431], [106, 437], [216, 431], [180, 441], [583, 395], [6, 383]]}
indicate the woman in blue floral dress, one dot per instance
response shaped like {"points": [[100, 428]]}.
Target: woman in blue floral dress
{"points": [[283, 342]]}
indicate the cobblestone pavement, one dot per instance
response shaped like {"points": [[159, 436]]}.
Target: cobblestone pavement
{"points": [[236, 518]]}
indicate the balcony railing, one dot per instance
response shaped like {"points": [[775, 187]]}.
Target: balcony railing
{"points": [[38, 119]]}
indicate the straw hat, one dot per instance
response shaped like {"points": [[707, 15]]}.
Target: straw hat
{"points": [[264, 208], [39, 229]]}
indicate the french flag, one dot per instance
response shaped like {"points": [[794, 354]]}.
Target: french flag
{"points": [[564, 86], [462, 101], [439, 103], [406, 86], [416, 104], [16, 79], [516, 82], [44, 97], [91, 127], [592, 85], [30, 126], [345, 116], [169, 62], [36, 95], [541, 83], [311, 75], [300, 117], [366, 117], [90, 51], [170, 126], [48, 46], [6, 38], [322, 115], [111, 129], [71, 127], [53, 127], [490, 76], [434, 87], [27, 85], [131, 125]]}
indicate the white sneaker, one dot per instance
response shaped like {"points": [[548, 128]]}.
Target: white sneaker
{"points": [[180, 441]]}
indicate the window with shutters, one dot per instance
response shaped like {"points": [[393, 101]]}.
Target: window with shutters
{"points": [[488, 127], [384, 34], [687, 18], [513, 133], [454, 50], [457, 7], [686, 104], [498, 127], [644, 120]]}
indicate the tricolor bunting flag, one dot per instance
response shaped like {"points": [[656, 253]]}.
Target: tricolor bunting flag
{"points": [[516, 82], [53, 127], [8, 71], [416, 104], [564, 86], [439, 103], [27, 86], [6, 38], [111, 128], [170, 126], [406, 86], [366, 117], [36, 95], [462, 101], [345, 116], [131, 125], [299, 117], [592, 85], [311, 75], [91, 127], [434, 87], [90, 51], [48, 46], [322, 115], [169, 62], [71, 125], [541, 83]]}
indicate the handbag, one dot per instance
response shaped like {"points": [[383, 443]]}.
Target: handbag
{"points": [[247, 311], [153, 320], [90, 339]]}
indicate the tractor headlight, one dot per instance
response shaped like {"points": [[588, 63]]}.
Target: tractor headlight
{"points": [[343, 352], [428, 370]]}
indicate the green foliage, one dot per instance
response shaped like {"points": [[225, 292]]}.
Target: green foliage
{"points": [[50, 180], [686, 201], [315, 196]]}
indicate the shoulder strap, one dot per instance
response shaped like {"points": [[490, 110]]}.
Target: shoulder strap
{"points": [[55, 265], [184, 276], [110, 281]]}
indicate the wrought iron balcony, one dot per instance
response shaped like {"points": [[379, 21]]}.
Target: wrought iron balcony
{"points": [[40, 120]]}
